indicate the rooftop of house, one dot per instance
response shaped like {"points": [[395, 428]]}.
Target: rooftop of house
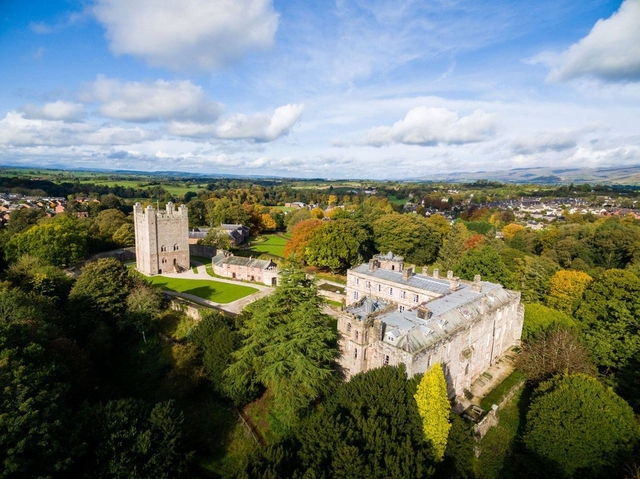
{"points": [[223, 259]]}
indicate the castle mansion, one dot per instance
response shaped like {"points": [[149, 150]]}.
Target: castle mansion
{"points": [[395, 316]]}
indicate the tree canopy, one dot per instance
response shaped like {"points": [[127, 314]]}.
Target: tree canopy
{"points": [[580, 426]]}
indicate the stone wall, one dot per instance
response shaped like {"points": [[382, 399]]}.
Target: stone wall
{"points": [[202, 250]]}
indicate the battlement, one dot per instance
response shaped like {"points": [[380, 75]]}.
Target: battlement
{"points": [[170, 212]]}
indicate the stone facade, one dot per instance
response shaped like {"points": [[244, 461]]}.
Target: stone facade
{"points": [[162, 239], [245, 269], [395, 316]]}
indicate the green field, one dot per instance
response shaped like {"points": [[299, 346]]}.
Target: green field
{"points": [[175, 190], [212, 290], [272, 244]]}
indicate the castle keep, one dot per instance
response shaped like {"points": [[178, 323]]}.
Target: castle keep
{"points": [[395, 316], [162, 239]]}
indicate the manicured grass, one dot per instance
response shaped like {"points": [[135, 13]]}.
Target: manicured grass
{"points": [[272, 244], [501, 390], [397, 201], [211, 290]]}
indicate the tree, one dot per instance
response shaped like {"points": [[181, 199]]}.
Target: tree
{"points": [[217, 238], [532, 276], [31, 274], [410, 236], [303, 233], [268, 223], [609, 317], [292, 219], [288, 347], [125, 235], [34, 418], [460, 453], [217, 338], [144, 305], [539, 318], [485, 262], [337, 245], [512, 230], [566, 289], [23, 218], [453, 246], [369, 428], [99, 295], [579, 426], [440, 224], [129, 439], [317, 213], [60, 242], [554, 351], [434, 409]]}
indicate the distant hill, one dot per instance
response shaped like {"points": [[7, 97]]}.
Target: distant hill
{"points": [[628, 175]]}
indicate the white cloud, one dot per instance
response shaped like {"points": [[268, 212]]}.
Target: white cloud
{"points": [[428, 126], [610, 52], [18, 131], [160, 100], [260, 126], [57, 110], [200, 34], [548, 141]]}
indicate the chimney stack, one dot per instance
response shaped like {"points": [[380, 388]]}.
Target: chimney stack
{"points": [[449, 274], [436, 273], [454, 283], [407, 273], [477, 285]]}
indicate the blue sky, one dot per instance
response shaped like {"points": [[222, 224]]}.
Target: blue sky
{"points": [[343, 89]]}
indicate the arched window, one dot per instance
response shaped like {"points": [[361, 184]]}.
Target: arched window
{"points": [[163, 248], [355, 353], [348, 327], [164, 260], [356, 335], [175, 247]]}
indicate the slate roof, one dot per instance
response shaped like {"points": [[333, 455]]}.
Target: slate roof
{"points": [[449, 312], [221, 259], [438, 286]]}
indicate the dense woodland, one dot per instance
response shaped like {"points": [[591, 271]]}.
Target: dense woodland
{"points": [[100, 379]]}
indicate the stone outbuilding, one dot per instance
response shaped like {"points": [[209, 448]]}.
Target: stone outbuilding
{"points": [[245, 269]]}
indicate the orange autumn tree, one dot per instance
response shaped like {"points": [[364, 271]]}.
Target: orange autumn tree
{"points": [[302, 235]]}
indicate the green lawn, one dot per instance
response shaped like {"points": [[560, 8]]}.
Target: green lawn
{"points": [[211, 290], [501, 390], [176, 190], [272, 244]]}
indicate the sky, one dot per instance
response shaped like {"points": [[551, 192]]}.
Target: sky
{"points": [[333, 89]]}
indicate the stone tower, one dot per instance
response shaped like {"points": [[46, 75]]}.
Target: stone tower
{"points": [[162, 239]]}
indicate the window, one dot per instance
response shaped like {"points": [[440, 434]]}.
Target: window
{"points": [[355, 353], [390, 291], [429, 362], [357, 281], [364, 354], [403, 294], [366, 337], [163, 248], [401, 309], [379, 288], [348, 327], [164, 260], [368, 284], [415, 298], [355, 295], [386, 360], [175, 247], [357, 335]]}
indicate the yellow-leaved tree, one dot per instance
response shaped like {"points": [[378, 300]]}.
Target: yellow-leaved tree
{"points": [[434, 408], [566, 288]]}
